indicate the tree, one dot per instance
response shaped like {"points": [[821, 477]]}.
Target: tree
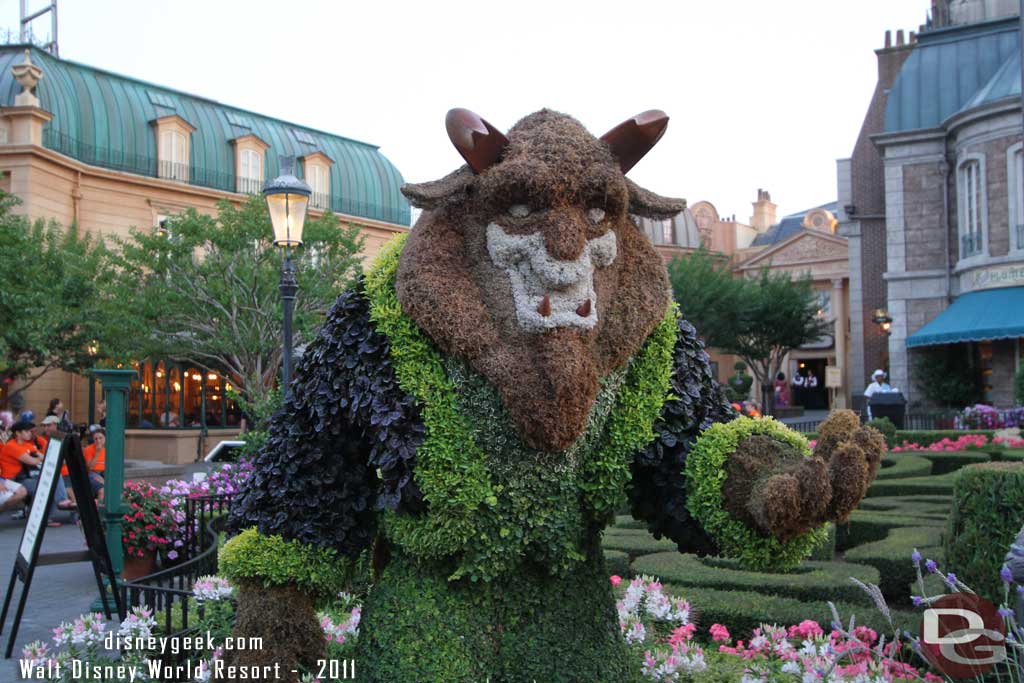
{"points": [[949, 375], [51, 299], [759, 319], [206, 291]]}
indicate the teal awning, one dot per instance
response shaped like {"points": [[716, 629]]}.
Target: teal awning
{"points": [[976, 316]]}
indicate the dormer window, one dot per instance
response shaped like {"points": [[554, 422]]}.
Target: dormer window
{"points": [[316, 168], [249, 166], [173, 134]]}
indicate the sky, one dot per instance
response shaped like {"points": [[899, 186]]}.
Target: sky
{"points": [[760, 94]]}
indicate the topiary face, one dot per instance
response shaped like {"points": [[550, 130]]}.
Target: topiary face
{"points": [[527, 265]]}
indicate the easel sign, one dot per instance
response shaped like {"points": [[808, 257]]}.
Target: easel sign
{"points": [[62, 448]]}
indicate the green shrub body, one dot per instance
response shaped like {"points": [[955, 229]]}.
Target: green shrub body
{"points": [[987, 513], [528, 626], [273, 561]]}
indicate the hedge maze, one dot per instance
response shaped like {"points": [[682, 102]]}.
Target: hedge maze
{"points": [[908, 506]]}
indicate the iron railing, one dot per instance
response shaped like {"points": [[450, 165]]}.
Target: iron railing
{"points": [[939, 420], [118, 160], [970, 244]]}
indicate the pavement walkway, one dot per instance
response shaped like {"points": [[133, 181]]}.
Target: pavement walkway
{"points": [[59, 592]]}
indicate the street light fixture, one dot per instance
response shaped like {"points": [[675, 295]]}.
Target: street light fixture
{"points": [[883, 320], [287, 198]]}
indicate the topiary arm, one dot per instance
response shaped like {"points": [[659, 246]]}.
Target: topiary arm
{"points": [[657, 490], [343, 445]]}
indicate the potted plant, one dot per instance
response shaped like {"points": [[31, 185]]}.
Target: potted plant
{"points": [[147, 530]]}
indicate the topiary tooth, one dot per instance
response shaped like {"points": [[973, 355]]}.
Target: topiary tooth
{"points": [[584, 309], [545, 306]]}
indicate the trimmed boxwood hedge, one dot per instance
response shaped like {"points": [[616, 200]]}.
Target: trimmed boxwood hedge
{"points": [[901, 466], [811, 581], [944, 462], [987, 513], [743, 611], [914, 486], [914, 505], [869, 526], [635, 542], [891, 557], [627, 522], [1012, 454]]}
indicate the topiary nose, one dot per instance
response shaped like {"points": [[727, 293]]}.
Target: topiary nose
{"points": [[565, 233]]}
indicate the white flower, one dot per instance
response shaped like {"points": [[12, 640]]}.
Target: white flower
{"points": [[212, 588], [809, 677], [809, 649], [636, 634], [658, 605], [791, 668]]}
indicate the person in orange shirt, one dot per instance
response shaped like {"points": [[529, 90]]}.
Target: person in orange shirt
{"points": [[96, 460], [43, 434], [21, 451]]}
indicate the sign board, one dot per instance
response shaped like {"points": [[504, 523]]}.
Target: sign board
{"points": [[1010, 275], [62, 448], [834, 377]]}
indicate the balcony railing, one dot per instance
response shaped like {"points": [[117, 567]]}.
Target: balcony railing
{"points": [[118, 160], [250, 185], [970, 244]]}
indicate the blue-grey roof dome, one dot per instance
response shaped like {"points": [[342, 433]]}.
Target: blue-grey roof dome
{"points": [[954, 69], [104, 119]]}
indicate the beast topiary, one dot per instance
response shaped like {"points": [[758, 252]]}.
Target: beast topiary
{"points": [[504, 380]]}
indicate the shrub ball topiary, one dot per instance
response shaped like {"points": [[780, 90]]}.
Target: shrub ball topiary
{"points": [[886, 428], [987, 514]]}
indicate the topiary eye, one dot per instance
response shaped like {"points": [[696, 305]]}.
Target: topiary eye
{"points": [[519, 211], [595, 215]]}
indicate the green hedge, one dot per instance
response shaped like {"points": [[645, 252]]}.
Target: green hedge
{"points": [[635, 542], [908, 505], [891, 557], [914, 486], [1012, 454], [810, 581], [743, 611], [927, 438], [869, 526], [901, 466], [826, 552], [617, 563], [274, 561], [987, 513], [944, 462], [627, 522]]}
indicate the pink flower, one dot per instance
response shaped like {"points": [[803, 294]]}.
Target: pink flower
{"points": [[615, 579], [719, 633]]}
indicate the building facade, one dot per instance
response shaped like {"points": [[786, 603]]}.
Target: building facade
{"points": [[933, 205], [113, 153]]}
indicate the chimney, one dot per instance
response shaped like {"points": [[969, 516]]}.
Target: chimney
{"points": [[764, 212]]}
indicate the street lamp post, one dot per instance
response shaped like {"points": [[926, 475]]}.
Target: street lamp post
{"points": [[287, 198]]}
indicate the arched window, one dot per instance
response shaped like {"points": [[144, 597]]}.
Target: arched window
{"points": [[173, 155], [250, 171], [1015, 187], [971, 206]]}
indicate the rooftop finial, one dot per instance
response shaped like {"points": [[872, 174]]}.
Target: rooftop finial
{"points": [[28, 76]]}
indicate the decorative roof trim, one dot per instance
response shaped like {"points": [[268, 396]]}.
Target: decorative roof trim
{"points": [[805, 233], [250, 138], [317, 156], [172, 119]]}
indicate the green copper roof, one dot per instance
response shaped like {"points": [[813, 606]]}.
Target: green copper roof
{"points": [[954, 69], [104, 119]]}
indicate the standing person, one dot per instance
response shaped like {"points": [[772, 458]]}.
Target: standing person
{"points": [[781, 391], [878, 385], [21, 451], [6, 422]]}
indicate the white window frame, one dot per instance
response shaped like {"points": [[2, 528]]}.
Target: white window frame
{"points": [[668, 232], [173, 155], [1015, 196], [318, 176], [972, 199], [250, 171]]}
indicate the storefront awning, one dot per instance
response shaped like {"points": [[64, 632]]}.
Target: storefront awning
{"points": [[976, 316]]}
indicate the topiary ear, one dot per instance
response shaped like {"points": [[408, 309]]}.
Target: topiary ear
{"points": [[650, 205], [430, 195]]}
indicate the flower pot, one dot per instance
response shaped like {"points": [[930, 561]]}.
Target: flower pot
{"points": [[137, 567]]}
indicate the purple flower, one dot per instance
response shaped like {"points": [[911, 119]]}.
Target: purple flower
{"points": [[1020, 589], [172, 555], [1005, 612], [917, 600], [950, 579], [916, 557], [1005, 574], [931, 566]]}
